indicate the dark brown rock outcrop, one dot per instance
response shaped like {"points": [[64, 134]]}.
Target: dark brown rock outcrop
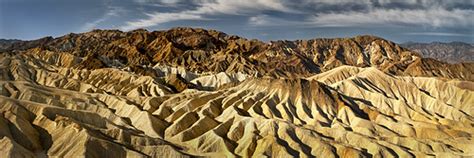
{"points": [[201, 50]]}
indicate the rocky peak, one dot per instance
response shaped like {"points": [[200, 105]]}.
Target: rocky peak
{"points": [[204, 50]]}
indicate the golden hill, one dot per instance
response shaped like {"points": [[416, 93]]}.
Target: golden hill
{"points": [[192, 92]]}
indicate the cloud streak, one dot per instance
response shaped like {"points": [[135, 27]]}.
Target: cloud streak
{"points": [[111, 12], [425, 14], [158, 18], [262, 19], [437, 34], [209, 7], [434, 17]]}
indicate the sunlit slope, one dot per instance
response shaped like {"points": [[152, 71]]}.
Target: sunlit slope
{"points": [[49, 108]]}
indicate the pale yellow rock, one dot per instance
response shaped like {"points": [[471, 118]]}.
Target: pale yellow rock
{"points": [[49, 109]]}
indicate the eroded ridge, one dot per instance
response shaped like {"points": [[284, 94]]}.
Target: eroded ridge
{"points": [[51, 109]]}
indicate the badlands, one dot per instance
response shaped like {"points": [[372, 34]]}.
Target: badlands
{"points": [[189, 92]]}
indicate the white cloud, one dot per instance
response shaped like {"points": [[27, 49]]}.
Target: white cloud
{"points": [[158, 1], [158, 18], [241, 6], [437, 34], [267, 20], [423, 3], [337, 13], [260, 20], [434, 17], [111, 12], [209, 7]]}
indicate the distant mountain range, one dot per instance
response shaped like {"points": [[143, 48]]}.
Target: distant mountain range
{"points": [[452, 52], [202, 50]]}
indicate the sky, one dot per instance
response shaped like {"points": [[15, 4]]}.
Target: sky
{"points": [[396, 20]]}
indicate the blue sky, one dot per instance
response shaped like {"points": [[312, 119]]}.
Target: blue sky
{"points": [[396, 20]]}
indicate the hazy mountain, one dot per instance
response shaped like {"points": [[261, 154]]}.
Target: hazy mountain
{"points": [[453, 52], [192, 92], [6, 43]]}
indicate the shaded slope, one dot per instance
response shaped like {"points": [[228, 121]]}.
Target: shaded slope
{"points": [[199, 50], [346, 111]]}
